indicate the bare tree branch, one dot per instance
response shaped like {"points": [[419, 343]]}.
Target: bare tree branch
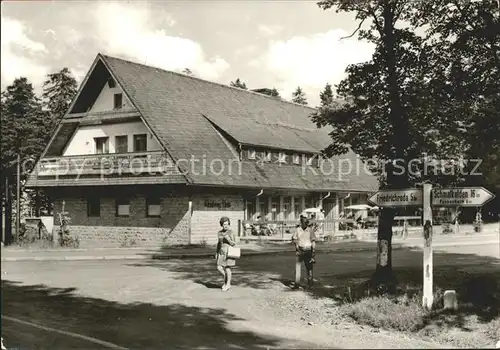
{"points": [[377, 22], [357, 29]]}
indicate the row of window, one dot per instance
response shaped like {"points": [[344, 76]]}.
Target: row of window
{"points": [[122, 207], [282, 157], [121, 144]]}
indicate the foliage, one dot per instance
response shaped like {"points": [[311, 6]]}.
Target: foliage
{"points": [[187, 71], [59, 89], [402, 314], [34, 237], [22, 124], [266, 91], [326, 96], [466, 34], [418, 98], [239, 84], [65, 238], [28, 122], [299, 96]]}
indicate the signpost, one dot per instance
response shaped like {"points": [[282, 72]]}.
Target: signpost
{"points": [[463, 197], [397, 198], [428, 295], [428, 197]]}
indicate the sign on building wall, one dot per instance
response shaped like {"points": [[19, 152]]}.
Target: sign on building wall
{"points": [[217, 203]]}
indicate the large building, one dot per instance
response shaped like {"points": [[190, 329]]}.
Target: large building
{"points": [[154, 157]]}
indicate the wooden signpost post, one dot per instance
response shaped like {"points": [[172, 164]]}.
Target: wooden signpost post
{"points": [[428, 197], [428, 295]]}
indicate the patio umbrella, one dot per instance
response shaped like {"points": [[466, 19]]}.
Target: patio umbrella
{"points": [[312, 210], [361, 207]]}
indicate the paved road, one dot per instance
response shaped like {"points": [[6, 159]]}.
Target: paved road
{"points": [[178, 304]]}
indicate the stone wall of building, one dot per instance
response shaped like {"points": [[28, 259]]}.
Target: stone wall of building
{"points": [[110, 230]]}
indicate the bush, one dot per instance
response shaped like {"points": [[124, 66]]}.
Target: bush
{"points": [[399, 313], [65, 239], [30, 237]]}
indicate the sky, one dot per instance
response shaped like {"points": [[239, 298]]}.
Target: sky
{"points": [[281, 44]]}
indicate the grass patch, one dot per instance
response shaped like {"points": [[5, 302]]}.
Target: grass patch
{"points": [[400, 313], [475, 324]]}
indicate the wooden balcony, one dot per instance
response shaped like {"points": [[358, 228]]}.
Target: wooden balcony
{"points": [[109, 164]]}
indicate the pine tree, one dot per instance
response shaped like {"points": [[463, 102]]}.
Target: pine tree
{"points": [[239, 84], [299, 96], [326, 96], [22, 124], [59, 89]]}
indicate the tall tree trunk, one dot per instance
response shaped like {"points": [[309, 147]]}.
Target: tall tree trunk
{"points": [[399, 142], [383, 272]]}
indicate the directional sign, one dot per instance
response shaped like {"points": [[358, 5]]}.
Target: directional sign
{"points": [[463, 197], [397, 198]]}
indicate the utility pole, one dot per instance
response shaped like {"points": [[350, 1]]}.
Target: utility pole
{"points": [[8, 210], [18, 195]]}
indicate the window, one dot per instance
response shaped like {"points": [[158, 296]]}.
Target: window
{"points": [[282, 157], [286, 208], [251, 154], [122, 207], [296, 159], [121, 144], [93, 207], [101, 145], [117, 100], [111, 83], [297, 207], [267, 156], [275, 208], [140, 143], [308, 159], [153, 207]]}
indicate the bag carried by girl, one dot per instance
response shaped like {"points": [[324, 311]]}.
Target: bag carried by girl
{"points": [[233, 252]]}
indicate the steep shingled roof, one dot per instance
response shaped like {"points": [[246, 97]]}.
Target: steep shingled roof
{"points": [[182, 110]]}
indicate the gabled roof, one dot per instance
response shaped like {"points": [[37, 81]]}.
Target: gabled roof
{"points": [[182, 111]]}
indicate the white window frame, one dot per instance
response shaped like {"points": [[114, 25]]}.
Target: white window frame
{"points": [[296, 158], [267, 156], [105, 144], [134, 140], [282, 157], [251, 153], [123, 210], [308, 159], [117, 137], [153, 207]]}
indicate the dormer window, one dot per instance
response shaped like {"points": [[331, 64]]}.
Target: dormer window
{"points": [[117, 101], [111, 83], [282, 157], [251, 153], [308, 159], [267, 156], [296, 159]]}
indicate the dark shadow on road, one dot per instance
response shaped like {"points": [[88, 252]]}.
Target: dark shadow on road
{"points": [[343, 276], [137, 325]]}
